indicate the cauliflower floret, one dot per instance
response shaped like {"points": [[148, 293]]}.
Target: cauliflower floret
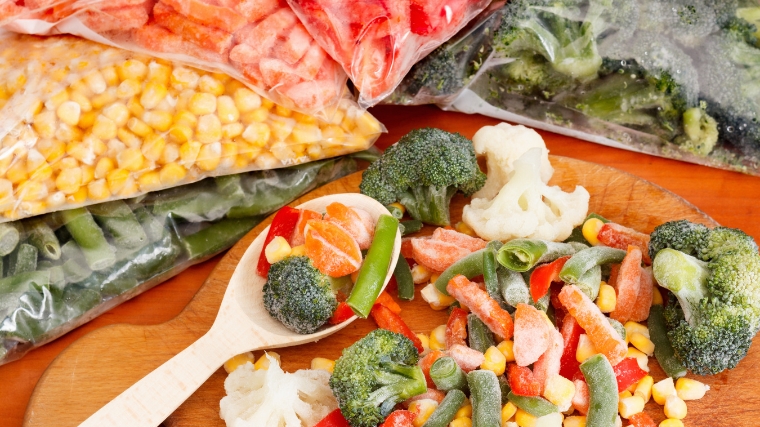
{"points": [[502, 145], [526, 207], [273, 398]]}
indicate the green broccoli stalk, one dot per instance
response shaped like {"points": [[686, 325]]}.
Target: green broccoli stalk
{"points": [[715, 278], [423, 171], [373, 375], [700, 132], [297, 294]]}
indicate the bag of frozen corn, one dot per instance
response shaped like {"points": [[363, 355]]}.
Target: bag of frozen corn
{"points": [[84, 123], [259, 42], [377, 41], [60, 270]]}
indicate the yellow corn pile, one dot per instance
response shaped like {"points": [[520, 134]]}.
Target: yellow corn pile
{"points": [[83, 123]]}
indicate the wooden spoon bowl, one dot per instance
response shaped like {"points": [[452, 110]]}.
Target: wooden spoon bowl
{"points": [[242, 324]]}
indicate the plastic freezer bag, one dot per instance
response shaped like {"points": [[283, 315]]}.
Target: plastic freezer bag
{"points": [[82, 123], [260, 42], [377, 41], [672, 78], [60, 270]]}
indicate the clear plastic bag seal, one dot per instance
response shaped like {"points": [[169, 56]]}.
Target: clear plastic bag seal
{"points": [[61, 270], [671, 78], [259, 42], [378, 41], [83, 123]]}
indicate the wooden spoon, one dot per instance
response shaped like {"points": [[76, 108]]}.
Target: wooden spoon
{"points": [[242, 324]]}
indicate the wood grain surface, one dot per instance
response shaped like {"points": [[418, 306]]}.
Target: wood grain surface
{"points": [[64, 399], [728, 197]]}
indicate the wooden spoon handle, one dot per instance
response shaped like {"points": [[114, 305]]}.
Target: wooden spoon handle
{"points": [[151, 400]]}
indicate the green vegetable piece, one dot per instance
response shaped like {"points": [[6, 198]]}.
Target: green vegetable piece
{"points": [[447, 375], [584, 268], [97, 251], [469, 266], [74, 265], [513, 287], [534, 405], [618, 327], [374, 268], [41, 236], [12, 287], [9, 238], [663, 350], [479, 336], [446, 410], [57, 276], [22, 260], [80, 300], [217, 237], [230, 186], [490, 275], [152, 225], [119, 221], [485, 396], [404, 280], [523, 254], [397, 212], [410, 226], [602, 390], [505, 389]]}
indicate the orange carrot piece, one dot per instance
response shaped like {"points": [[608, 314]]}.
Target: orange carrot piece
{"points": [[467, 358], [482, 305], [532, 336], [640, 310], [595, 323], [387, 300], [214, 39], [206, 13], [437, 255], [426, 362], [456, 328], [460, 239], [549, 363], [620, 237], [628, 283]]}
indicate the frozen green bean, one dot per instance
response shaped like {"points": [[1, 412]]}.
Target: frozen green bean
{"points": [[9, 238], [217, 237], [120, 222], [602, 391], [479, 336], [97, 251], [663, 350], [469, 266], [446, 410], [410, 226], [523, 254], [485, 397], [447, 375], [534, 405], [404, 280], [40, 235], [584, 268], [22, 260]]}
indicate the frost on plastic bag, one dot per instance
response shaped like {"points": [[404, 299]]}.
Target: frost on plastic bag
{"points": [[260, 42], [377, 41], [672, 78], [83, 123], [60, 270]]}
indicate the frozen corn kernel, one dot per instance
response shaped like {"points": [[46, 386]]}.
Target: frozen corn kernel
{"points": [[209, 129], [158, 120], [277, 250], [422, 410], [184, 78], [130, 159], [246, 100], [644, 388], [559, 391], [675, 407], [237, 361], [662, 389], [435, 298], [323, 364], [524, 419], [506, 348], [607, 299], [117, 112], [591, 229], [574, 421], [210, 85], [202, 103], [263, 362], [670, 422], [438, 338], [228, 111], [104, 128], [629, 406], [461, 422], [425, 342], [465, 410], [117, 180], [690, 389], [507, 411], [420, 274], [69, 180], [132, 69], [69, 112], [172, 174], [153, 146], [494, 361], [209, 156], [642, 343], [641, 358], [585, 349], [98, 190], [152, 94]]}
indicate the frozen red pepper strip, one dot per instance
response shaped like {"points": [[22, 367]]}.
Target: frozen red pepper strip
{"points": [[571, 331], [620, 237], [385, 299], [398, 418], [627, 373], [387, 319], [333, 419], [283, 224], [342, 313], [456, 327], [522, 381], [542, 277], [642, 419]]}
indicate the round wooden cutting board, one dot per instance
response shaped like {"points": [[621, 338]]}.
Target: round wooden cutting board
{"points": [[99, 366]]}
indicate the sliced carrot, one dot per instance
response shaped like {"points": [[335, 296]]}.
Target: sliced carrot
{"points": [[604, 337], [628, 283], [437, 255], [640, 310], [482, 305], [214, 39], [533, 334], [620, 237], [333, 251], [614, 271], [357, 222], [467, 358], [387, 300], [298, 234], [387, 319], [460, 239], [548, 365], [456, 328], [407, 251]]}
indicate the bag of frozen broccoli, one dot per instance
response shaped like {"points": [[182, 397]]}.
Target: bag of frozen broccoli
{"points": [[62, 269], [678, 79]]}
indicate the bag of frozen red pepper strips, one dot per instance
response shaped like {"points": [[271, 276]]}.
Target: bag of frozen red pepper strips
{"points": [[84, 123], [60, 270], [259, 42], [377, 41], [678, 79]]}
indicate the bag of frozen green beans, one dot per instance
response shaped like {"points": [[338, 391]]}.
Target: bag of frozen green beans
{"points": [[62, 269]]}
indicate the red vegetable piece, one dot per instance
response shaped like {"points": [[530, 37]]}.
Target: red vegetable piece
{"points": [[456, 328], [581, 397], [253, 10], [398, 418], [559, 310], [620, 237], [333, 419], [628, 372], [543, 276], [640, 310], [430, 18], [431, 393], [642, 419], [208, 13], [213, 39], [357, 222], [342, 313], [387, 300], [482, 305], [426, 362], [407, 251], [550, 363], [628, 282], [522, 381], [115, 18], [387, 319], [283, 224], [571, 333]]}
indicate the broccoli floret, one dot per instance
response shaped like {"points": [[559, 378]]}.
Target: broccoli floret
{"points": [[373, 375], [715, 278], [423, 171], [700, 132], [297, 294], [439, 72]]}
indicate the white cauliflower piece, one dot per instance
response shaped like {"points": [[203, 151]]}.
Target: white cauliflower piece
{"points": [[502, 145], [526, 207], [273, 398]]}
